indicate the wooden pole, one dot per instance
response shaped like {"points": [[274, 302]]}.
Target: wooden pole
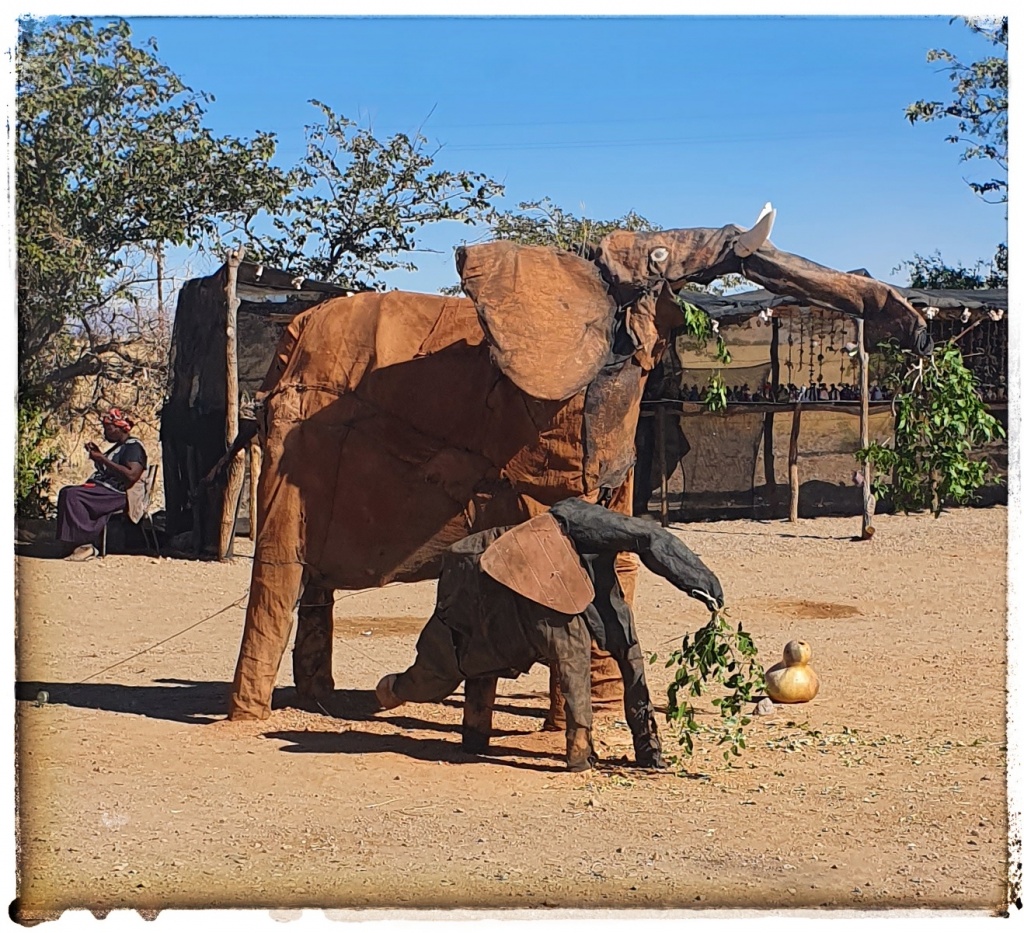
{"points": [[794, 471], [769, 418], [867, 518], [255, 464], [662, 466], [236, 467], [160, 280]]}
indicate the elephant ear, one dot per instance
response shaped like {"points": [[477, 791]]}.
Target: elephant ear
{"points": [[546, 313], [537, 560]]}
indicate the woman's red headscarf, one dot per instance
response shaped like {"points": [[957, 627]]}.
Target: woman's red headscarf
{"points": [[118, 419]]}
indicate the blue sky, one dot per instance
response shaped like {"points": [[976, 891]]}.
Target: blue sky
{"points": [[690, 121]]}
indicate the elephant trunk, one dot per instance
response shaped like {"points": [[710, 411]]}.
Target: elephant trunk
{"points": [[886, 313]]}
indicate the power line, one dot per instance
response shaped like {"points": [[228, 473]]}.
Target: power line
{"points": [[690, 142]]}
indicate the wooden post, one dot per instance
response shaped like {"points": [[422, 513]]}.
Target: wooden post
{"points": [[662, 467], [867, 518], [794, 471], [236, 467], [255, 464], [769, 418], [160, 280]]}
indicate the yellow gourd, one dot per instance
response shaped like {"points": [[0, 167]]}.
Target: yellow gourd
{"points": [[792, 680]]}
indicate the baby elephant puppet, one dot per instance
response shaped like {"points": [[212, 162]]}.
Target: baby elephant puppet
{"points": [[510, 597]]}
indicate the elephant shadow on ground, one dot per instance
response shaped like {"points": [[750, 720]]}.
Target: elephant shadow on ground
{"points": [[355, 742], [362, 706], [186, 701], [205, 702], [499, 707]]}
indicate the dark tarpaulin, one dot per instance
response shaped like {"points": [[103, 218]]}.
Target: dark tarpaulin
{"points": [[737, 308], [494, 628], [599, 535]]}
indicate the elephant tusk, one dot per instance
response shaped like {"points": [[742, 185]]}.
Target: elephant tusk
{"points": [[765, 211], [755, 237]]}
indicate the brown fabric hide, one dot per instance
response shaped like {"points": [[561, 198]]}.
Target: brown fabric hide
{"points": [[886, 313], [546, 312], [537, 560], [694, 254], [388, 434], [611, 412]]}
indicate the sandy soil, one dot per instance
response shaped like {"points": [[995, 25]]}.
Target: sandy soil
{"points": [[888, 790]]}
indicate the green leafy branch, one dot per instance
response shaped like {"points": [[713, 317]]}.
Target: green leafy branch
{"points": [[714, 396], [37, 455], [716, 654], [699, 324], [940, 418]]}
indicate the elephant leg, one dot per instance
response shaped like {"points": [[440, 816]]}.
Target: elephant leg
{"points": [[605, 683], [554, 720], [605, 677], [273, 592], [639, 710], [573, 652], [311, 656], [435, 673], [605, 689], [478, 713]]}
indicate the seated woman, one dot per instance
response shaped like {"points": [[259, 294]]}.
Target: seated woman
{"points": [[83, 511]]}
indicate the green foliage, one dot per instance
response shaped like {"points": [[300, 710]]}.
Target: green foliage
{"points": [[932, 272], [38, 454], [939, 419], [699, 325], [357, 203], [112, 161], [696, 322], [542, 223], [978, 107], [714, 396], [979, 110], [717, 654]]}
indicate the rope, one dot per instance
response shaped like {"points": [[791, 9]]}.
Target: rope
{"points": [[237, 603]]}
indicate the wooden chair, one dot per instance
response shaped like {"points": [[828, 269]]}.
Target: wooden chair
{"points": [[148, 480]]}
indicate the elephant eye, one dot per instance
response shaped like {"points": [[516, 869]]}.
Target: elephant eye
{"points": [[659, 255]]}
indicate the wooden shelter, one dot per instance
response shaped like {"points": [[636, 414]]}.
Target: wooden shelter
{"points": [[824, 337], [226, 327]]}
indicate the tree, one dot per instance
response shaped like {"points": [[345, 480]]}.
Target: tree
{"points": [[357, 204], [978, 107], [932, 272], [113, 162], [939, 419], [543, 223]]}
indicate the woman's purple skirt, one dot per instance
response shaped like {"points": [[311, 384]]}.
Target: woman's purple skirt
{"points": [[83, 511]]}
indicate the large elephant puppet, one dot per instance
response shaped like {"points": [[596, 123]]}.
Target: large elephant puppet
{"points": [[508, 598], [395, 424]]}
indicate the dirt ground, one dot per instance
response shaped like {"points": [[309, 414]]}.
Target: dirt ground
{"points": [[888, 790]]}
